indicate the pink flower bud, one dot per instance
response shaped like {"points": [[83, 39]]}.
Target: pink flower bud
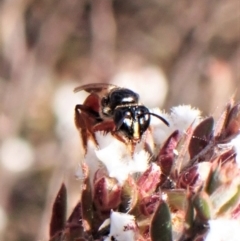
{"points": [[149, 204], [106, 193], [165, 158], [188, 178], [194, 177], [149, 180]]}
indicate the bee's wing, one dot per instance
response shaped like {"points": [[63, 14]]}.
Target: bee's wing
{"points": [[95, 87]]}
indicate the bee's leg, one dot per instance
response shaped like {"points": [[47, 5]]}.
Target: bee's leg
{"points": [[105, 126], [81, 125], [88, 111], [85, 120]]}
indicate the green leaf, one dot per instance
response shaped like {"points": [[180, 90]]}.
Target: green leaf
{"points": [[231, 203], [213, 181], [161, 227], [177, 199], [202, 205], [189, 215]]}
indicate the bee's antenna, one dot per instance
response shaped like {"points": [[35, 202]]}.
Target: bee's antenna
{"points": [[160, 117]]}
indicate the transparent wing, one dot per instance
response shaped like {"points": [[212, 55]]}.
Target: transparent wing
{"points": [[95, 87]]}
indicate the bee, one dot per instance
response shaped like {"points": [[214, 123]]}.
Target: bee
{"points": [[112, 109]]}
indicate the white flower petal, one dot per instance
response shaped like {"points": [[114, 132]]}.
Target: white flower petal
{"points": [[160, 135], [156, 121], [118, 159], [160, 130], [181, 118], [223, 230], [104, 139], [92, 160], [122, 228], [140, 161], [115, 166], [184, 115]]}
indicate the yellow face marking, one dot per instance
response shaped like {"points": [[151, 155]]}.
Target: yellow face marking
{"points": [[136, 133]]}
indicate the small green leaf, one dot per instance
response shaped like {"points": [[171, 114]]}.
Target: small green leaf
{"points": [[202, 205], [161, 226], [213, 181], [224, 197], [177, 199], [189, 215], [231, 203]]}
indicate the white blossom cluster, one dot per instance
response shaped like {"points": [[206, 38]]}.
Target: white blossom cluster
{"points": [[113, 156], [120, 163]]}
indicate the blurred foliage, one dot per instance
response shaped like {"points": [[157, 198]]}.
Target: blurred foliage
{"points": [[46, 44]]}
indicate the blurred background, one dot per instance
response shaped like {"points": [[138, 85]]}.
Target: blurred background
{"points": [[170, 52]]}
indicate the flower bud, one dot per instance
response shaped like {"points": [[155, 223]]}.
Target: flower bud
{"points": [[194, 177], [107, 193], [149, 180], [149, 204]]}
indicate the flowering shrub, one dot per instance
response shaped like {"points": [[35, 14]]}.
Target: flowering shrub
{"points": [[179, 183]]}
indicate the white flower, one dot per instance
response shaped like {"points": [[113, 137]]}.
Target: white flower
{"points": [[184, 115], [223, 230], [91, 160], [122, 227], [160, 130], [118, 159], [180, 118]]}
